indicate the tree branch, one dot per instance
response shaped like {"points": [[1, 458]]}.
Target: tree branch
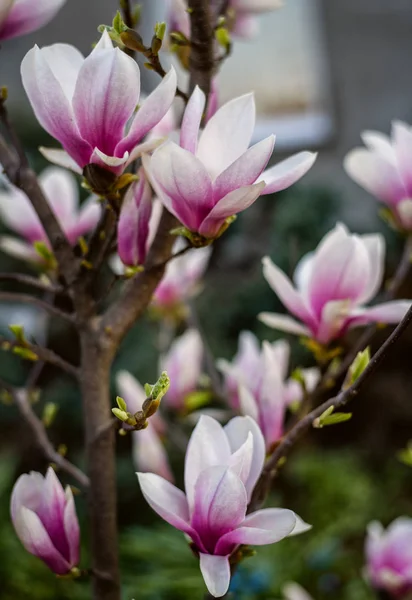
{"points": [[28, 299], [40, 435], [201, 62], [33, 282], [337, 401], [44, 354]]}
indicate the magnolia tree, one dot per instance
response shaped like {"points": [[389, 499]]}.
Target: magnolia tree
{"points": [[167, 176]]}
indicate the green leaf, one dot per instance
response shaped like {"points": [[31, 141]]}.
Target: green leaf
{"points": [[160, 30], [121, 403], [120, 414], [196, 400], [49, 413], [18, 332], [25, 353], [357, 367], [329, 417]]}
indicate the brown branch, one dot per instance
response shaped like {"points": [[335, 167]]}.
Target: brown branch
{"points": [[39, 432], [43, 354], [32, 282], [38, 302], [337, 401], [201, 63]]}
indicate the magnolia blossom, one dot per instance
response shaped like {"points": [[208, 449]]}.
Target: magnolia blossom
{"points": [[204, 182], [242, 15], [331, 287], [86, 103], [18, 17], [183, 364], [256, 383], [45, 520], [61, 192], [222, 467], [384, 169], [182, 276], [149, 454], [389, 557]]}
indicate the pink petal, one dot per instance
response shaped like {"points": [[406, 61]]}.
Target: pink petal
{"points": [[51, 512], [247, 403], [19, 215], [246, 169], [220, 504], [107, 92], [227, 135], [35, 539], [216, 573], [404, 210], [237, 432], [266, 526], [133, 224], [18, 249], [379, 143], [183, 179], [72, 529], [241, 460], [27, 492], [375, 247], [60, 158], [150, 113], [387, 312], [192, 118], [402, 134], [231, 204], [149, 454], [60, 189], [47, 95], [26, 16], [4, 9], [271, 402], [284, 323], [283, 288], [112, 163], [208, 446], [287, 172], [334, 320], [87, 219]]}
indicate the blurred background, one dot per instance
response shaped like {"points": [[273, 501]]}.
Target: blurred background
{"points": [[323, 71]]}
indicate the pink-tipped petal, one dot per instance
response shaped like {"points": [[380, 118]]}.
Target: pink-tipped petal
{"points": [[116, 164], [60, 189], [5, 6], [232, 204], [402, 136], [284, 323], [19, 215], [101, 117], [216, 573], [48, 95], [192, 118], [150, 113], [287, 172], [375, 247], [246, 169], [241, 460], [237, 432], [387, 312], [227, 135], [208, 446], [266, 526], [28, 492], [133, 224], [25, 16], [71, 527]]}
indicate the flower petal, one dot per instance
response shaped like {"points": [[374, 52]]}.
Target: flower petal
{"points": [[60, 189], [375, 247], [192, 118], [60, 158], [149, 454], [284, 323], [237, 432], [28, 492], [227, 135], [26, 16], [150, 113], [133, 224], [387, 312], [216, 573], [247, 403], [246, 169], [208, 446], [231, 204], [107, 92], [287, 172], [402, 144], [88, 218], [18, 249], [72, 529], [19, 215], [266, 526]]}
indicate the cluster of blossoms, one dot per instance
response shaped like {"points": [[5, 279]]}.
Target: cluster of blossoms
{"points": [[204, 173]]}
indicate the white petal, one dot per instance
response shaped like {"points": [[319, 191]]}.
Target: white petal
{"points": [[287, 172], [216, 573], [284, 323]]}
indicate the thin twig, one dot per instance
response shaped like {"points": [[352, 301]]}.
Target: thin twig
{"points": [[33, 282], [40, 435], [38, 302], [337, 401], [43, 354]]}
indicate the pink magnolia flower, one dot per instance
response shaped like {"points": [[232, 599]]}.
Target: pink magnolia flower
{"points": [[256, 384], [18, 17], [204, 182], [86, 103], [149, 454], [244, 14], [60, 189], [331, 287], [182, 276], [183, 364], [45, 520], [389, 557], [222, 467], [383, 168]]}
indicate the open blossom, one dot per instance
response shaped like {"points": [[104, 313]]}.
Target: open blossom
{"points": [[182, 277], [61, 192], [332, 285], [242, 15], [389, 557], [384, 169], [183, 364], [86, 103], [204, 181], [256, 383], [18, 17], [45, 520], [222, 467], [149, 454]]}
